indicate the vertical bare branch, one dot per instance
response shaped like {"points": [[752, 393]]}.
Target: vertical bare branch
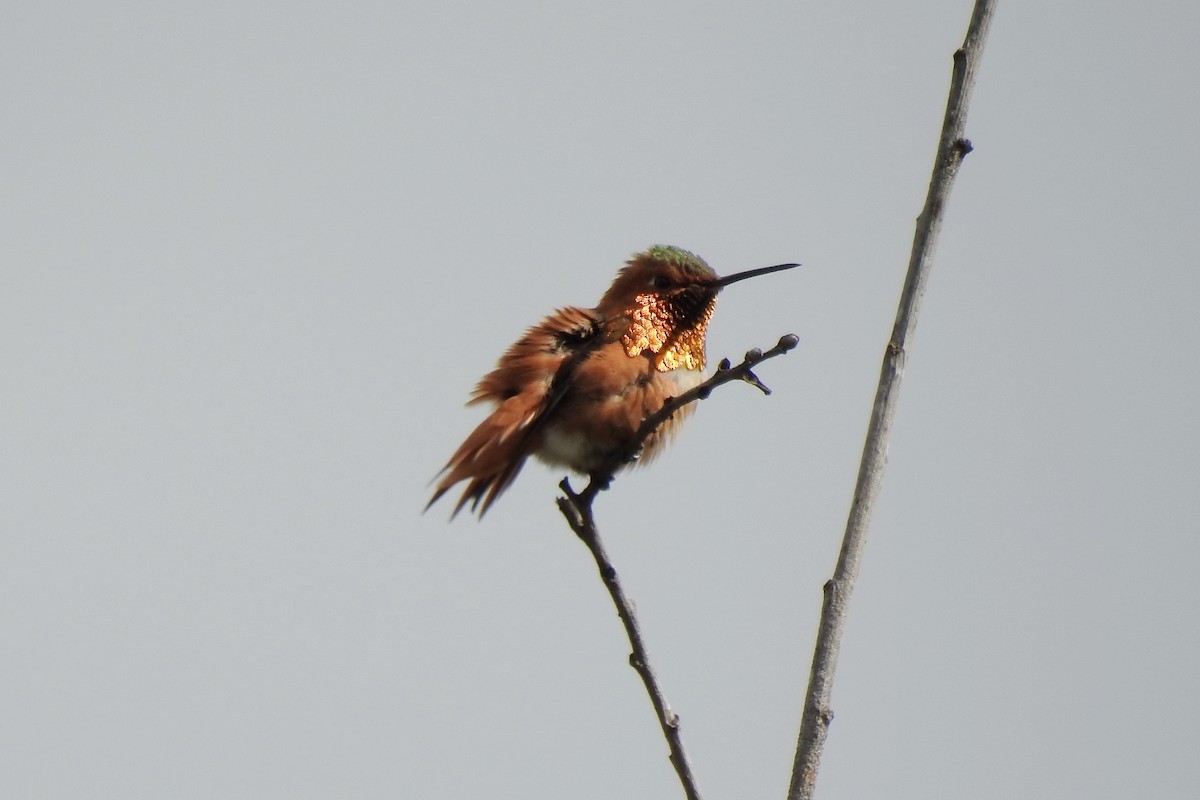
{"points": [[952, 149]]}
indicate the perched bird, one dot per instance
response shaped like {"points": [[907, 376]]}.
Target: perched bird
{"points": [[574, 389]]}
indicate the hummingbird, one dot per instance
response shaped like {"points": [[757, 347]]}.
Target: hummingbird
{"points": [[575, 388]]}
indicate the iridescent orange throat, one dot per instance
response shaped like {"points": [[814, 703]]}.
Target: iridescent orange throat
{"points": [[655, 326]]}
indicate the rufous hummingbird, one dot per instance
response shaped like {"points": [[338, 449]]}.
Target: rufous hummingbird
{"points": [[575, 388]]}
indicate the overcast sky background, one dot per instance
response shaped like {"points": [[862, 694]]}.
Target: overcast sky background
{"points": [[256, 255]]}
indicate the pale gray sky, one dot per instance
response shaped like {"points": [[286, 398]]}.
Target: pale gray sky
{"points": [[255, 256]]}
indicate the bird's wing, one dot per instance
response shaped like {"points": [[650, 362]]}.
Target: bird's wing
{"points": [[527, 385]]}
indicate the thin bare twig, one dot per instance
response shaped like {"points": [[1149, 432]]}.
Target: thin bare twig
{"points": [[576, 507], [578, 512], [952, 149]]}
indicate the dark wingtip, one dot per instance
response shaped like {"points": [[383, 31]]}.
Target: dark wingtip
{"points": [[436, 496]]}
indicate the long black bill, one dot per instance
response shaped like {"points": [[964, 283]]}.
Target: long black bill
{"points": [[750, 273]]}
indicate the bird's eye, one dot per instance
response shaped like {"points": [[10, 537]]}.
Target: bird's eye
{"points": [[661, 282]]}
